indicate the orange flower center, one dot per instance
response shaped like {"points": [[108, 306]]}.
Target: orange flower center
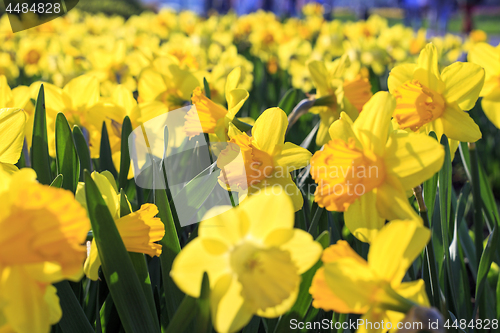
{"points": [[246, 170], [417, 105], [343, 173], [32, 57]]}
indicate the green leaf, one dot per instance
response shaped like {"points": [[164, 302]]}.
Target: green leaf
{"points": [[445, 186], [67, 161], [206, 87], [289, 100], [202, 320], [430, 189], [105, 155], [125, 154], [304, 298], [139, 262], [73, 319], [482, 274], [123, 283], [58, 181], [83, 151], [242, 126], [183, 316], [170, 248], [40, 159]]}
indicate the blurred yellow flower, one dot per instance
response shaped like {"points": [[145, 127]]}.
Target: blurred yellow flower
{"points": [[139, 230], [348, 93], [349, 284], [42, 230], [267, 158], [488, 57], [427, 100], [12, 123], [365, 170], [253, 257]]}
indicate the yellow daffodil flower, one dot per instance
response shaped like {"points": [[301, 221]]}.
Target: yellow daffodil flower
{"points": [[267, 158], [166, 82], [139, 230], [488, 57], [19, 97], [365, 170], [81, 103], [209, 117], [253, 257], [12, 123], [430, 100], [349, 284], [349, 94], [42, 230]]}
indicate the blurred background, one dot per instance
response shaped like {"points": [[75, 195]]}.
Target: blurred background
{"points": [[438, 16]]}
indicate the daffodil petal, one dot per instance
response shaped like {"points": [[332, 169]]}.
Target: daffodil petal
{"points": [[92, 263], [318, 73], [372, 125], [278, 310], [492, 110], [487, 56], [224, 225], [83, 90], [278, 183], [413, 158], [292, 157], [124, 98], [269, 130], [415, 291], [458, 125], [304, 250], [463, 82], [427, 71], [229, 310], [232, 81], [12, 122], [236, 99], [361, 217], [399, 75], [323, 297], [260, 210], [396, 247], [150, 85], [342, 129], [5, 93], [392, 202], [190, 264], [21, 294], [326, 119], [354, 283]]}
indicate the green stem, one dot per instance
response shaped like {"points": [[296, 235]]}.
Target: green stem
{"points": [[476, 195], [429, 248]]}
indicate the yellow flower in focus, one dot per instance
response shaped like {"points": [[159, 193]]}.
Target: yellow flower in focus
{"points": [[488, 57], [348, 93], [209, 117], [349, 284], [42, 230], [365, 170], [12, 123], [267, 159], [253, 257], [139, 230], [427, 100]]}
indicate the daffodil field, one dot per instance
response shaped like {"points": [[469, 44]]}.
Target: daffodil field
{"points": [[321, 175]]}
